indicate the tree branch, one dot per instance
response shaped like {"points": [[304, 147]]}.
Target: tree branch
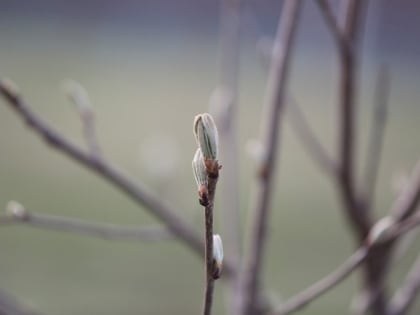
{"points": [[212, 174], [407, 294], [276, 87], [322, 286], [329, 17], [377, 131], [307, 136], [135, 190], [99, 230], [10, 305]]}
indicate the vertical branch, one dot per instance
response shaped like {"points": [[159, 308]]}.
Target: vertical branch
{"points": [[276, 87], [346, 140], [356, 211], [208, 214], [379, 118]]}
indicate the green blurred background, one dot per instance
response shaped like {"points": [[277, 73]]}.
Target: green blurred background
{"points": [[149, 68]]}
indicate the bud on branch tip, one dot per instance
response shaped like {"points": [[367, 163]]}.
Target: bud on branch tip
{"points": [[206, 134]]}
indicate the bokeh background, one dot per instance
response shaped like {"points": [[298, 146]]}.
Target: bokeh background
{"points": [[149, 67]]}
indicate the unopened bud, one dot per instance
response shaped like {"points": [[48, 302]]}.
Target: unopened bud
{"points": [[16, 210], [217, 256], [206, 134], [381, 230], [199, 168], [78, 95]]}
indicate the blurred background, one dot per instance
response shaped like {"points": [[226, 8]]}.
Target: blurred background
{"points": [[150, 67]]}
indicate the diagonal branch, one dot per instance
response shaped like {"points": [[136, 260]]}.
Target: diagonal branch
{"points": [[307, 136], [135, 190], [275, 99], [406, 295], [322, 286], [377, 131], [10, 305], [99, 230]]}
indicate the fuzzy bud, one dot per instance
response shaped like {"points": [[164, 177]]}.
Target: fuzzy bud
{"points": [[217, 256], [16, 210], [206, 134], [381, 230]]}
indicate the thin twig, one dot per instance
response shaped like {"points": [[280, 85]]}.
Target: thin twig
{"points": [[213, 175], [100, 230], [310, 142], [407, 202], [306, 296], [377, 131], [135, 190], [358, 215], [331, 21], [10, 305], [406, 295], [80, 98], [274, 104]]}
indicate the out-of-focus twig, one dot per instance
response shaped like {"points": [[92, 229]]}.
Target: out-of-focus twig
{"points": [[406, 295], [310, 142], [274, 103], [377, 131], [135, 190], [306, 296], [80, 98], [76, 226], [10, 305], [331, 21]]}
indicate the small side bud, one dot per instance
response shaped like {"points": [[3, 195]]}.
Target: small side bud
{"points": [[206, 134], [200, 176], [381, 230], [217, 256], [16, 210], [78, 95]]}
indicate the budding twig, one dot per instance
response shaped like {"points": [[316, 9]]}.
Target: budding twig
{"points": [[205, 165], [248, 293], [134, 189], [322, 286], [78, 95], [16, 214]]}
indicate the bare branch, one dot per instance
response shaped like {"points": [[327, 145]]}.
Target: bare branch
{"points": [[213, 175], [409, 198], [135, 190], [407, 294], [306, 296], [322, 286], [377, 131], [80, 98], [307, 136], [100, 230], [331, 21], [10, 305], [274, 104]]}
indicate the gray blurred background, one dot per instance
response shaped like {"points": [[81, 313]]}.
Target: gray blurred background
{"points": [[149, 67]]}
